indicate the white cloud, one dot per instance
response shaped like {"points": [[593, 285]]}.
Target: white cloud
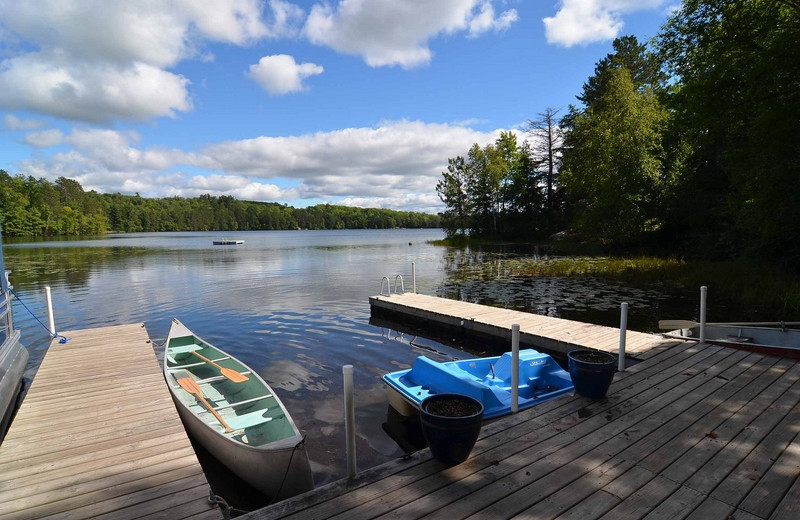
{"points": [[12, 122], [486, 21], [580, 22], [281, 74], [388, 32], [105, 60], [45, 138], [54, 85], [395, 164]]}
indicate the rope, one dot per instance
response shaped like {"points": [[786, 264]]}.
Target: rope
{"points": [[224, 506], [286, 473], [55, 334]]}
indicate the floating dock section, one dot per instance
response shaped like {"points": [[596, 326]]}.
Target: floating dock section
{"points": [[98, 437], [536, 331]]}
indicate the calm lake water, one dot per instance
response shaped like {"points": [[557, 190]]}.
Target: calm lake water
{"points": [[294, 306]]}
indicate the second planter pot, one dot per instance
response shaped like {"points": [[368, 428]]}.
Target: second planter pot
{"points": [[591, 372], [451, 424]]}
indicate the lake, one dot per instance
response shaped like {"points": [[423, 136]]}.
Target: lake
{"points": [[294, 306]]}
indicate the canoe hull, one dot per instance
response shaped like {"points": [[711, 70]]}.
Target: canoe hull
{"points": [[770, 341], [263, 446], [257, 467]]}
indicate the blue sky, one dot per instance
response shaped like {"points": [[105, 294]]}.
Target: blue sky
{"points": [[356, 102]]}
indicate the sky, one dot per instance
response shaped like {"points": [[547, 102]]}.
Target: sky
{"points": [[353, 102]]}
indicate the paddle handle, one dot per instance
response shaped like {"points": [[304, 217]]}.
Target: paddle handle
{"points": [[233, 375], [192, 387], [201, 356], [210, 408]]}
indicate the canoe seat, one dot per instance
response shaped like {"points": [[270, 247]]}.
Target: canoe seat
{"points": [[248, 420]]}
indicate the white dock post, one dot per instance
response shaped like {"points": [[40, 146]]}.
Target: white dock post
{"points": [[514, 368], [703, 300], [349, 420], [414, 277], [623, 327], [50, 319]]}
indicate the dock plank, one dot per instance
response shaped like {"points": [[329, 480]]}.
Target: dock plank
{"points": [[98, 436]]}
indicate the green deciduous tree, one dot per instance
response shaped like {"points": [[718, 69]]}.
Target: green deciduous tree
{"points": [[452, 191], [736, 68], [611, 163]]}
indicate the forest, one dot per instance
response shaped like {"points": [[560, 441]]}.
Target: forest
{"points": [[38, 207], [689, 143]]}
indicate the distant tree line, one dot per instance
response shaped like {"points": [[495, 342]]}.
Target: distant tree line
{"points": [[38, 207], [692, 141]]}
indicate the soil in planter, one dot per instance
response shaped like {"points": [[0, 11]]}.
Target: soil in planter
{"points": [[451, 408], [588, 356]]}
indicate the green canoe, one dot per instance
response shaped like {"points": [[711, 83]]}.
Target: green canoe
{"points": [[235, 415]]}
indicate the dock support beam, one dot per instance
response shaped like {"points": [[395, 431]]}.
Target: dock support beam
{"points": [[623, 327], [51, 321], [515, 368], [349, 420], [703, 300]]}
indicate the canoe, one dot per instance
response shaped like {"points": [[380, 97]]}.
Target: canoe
{"points": [[772, 339], [230, 410], [228, 242], [486, 379]]}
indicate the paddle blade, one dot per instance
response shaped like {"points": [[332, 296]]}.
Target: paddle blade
{"points": [[190, 386], [233, 375], [677, 324]]}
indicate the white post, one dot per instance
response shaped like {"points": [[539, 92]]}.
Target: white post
{"points": [[349, 420], [703, 299], [623, 327], [51, 320], [414, 276], [514, 368]]}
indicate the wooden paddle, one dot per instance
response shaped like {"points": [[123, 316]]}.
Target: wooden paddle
{"points": [[688, 324], [231, 374], [193, 388]]}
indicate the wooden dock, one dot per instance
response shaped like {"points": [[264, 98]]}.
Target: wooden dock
{"points": [[98, 436], [693, 431], [544, 332]]}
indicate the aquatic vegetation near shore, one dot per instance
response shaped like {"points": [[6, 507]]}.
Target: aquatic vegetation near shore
{"points": [[658, 287]]}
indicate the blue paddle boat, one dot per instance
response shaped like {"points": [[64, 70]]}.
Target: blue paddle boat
{"points": [[486, 379]]}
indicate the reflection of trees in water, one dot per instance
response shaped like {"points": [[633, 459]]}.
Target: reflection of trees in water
{"points": [[36, 267], [70, 266]]}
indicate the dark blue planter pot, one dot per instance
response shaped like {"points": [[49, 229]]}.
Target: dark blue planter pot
{"points": [[451, 438], [591, 372]]}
